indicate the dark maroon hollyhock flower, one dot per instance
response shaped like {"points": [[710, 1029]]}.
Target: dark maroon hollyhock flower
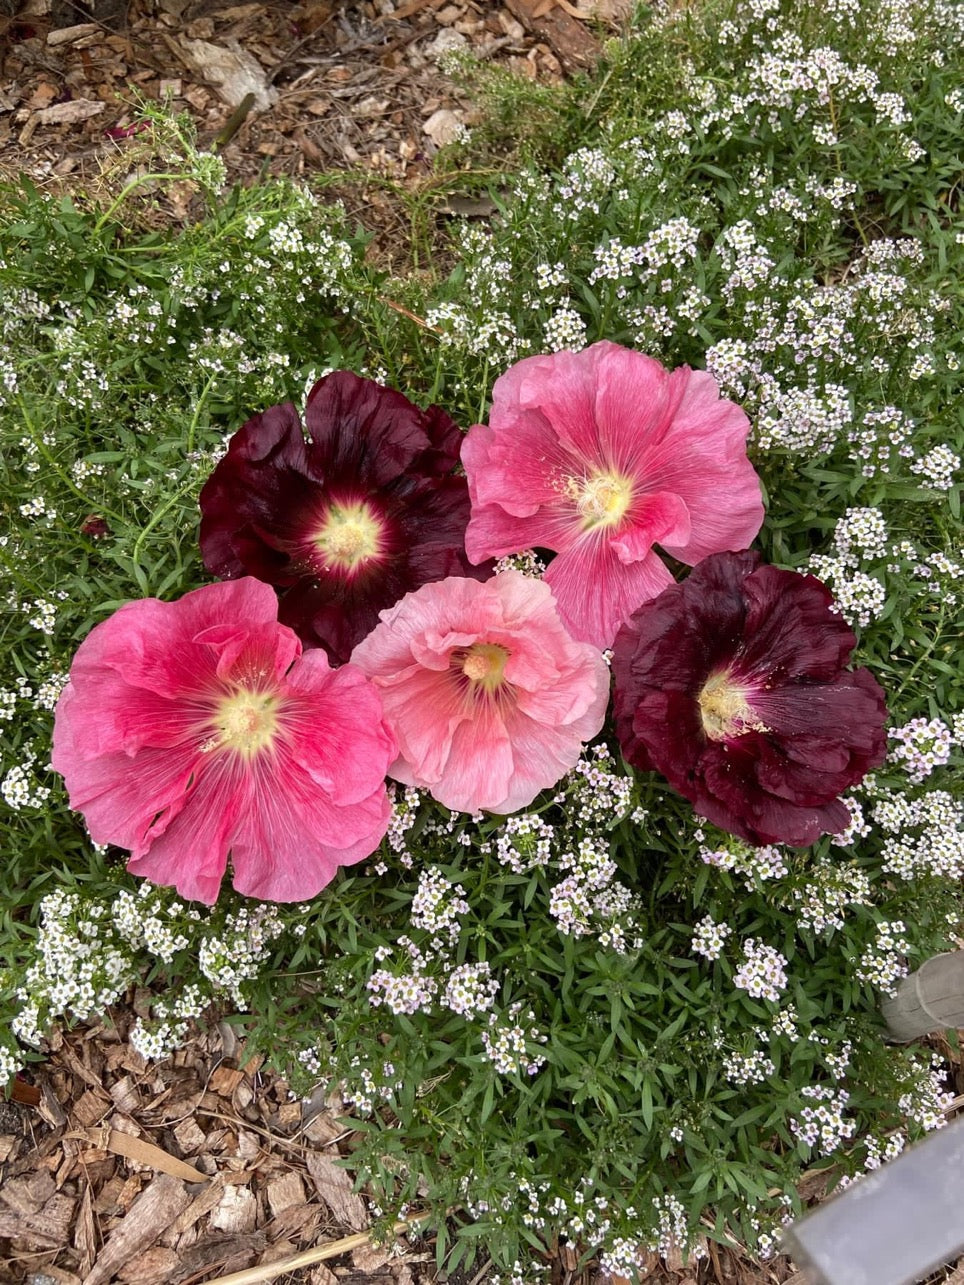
{"points": [[732, 685], [347, 522]]}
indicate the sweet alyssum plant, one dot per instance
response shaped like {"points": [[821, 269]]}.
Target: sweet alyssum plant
{"points": [[598, 1018]]}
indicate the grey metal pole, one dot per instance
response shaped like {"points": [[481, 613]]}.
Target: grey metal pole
{"points": [[931, 999], [893, 1226]]}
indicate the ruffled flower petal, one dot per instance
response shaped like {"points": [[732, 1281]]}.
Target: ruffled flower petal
{"points": [[509, 710], [575, 580], [219, 741], [605, 447], [732, 685]]}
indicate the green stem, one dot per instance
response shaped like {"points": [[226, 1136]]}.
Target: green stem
{"points": [[924, 655], [835, 124], [16, 574], [132, 186], [484, 384], [197, 412], [64, 476], [161, 513]]}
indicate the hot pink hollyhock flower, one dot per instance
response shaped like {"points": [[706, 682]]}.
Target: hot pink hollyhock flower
{"points": [[489, 697], [194, 730], [599, 455]]}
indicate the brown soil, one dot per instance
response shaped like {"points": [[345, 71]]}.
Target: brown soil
{"points": [[336, 86]]}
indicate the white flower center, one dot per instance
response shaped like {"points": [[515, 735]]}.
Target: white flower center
{"points": [[725, 710], [245, 722], [349, 536], [602, 499]]}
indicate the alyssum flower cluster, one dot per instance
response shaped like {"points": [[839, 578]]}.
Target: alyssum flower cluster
{"points": [[237, 724]]}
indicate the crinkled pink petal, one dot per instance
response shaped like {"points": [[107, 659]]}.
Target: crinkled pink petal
{"points": [[291, 846], [424, 711], [478, 746], [191, 852], [538, 754], [703, 458], [656, 519], [152, 644], [474, 779], [161, 757], [573, 701], [129, 719], [432, 650], [635, 402], [519, 481], [120, 795], [326, 709], [492, 532], [575, 577]]}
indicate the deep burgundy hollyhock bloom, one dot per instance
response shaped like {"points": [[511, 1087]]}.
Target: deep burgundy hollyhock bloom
{"points": [[347, 522], [732, 685]]}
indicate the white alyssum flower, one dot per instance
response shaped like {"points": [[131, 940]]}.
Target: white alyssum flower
{"points": [[763, 971], [824, 1126]]}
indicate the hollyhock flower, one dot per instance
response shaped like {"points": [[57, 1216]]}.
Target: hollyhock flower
{"points": [[599, 455], [732, 685], [194, 730], [489, 697], [347, 522]]}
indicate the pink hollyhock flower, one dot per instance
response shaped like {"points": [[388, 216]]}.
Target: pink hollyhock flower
{"points": [[194, 730], [489, 697], [347, 522], [732, 685], [599, 455]]}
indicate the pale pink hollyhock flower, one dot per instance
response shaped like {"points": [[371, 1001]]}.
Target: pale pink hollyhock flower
{"points": [[489, 697], [195, 730], [599, 455]]}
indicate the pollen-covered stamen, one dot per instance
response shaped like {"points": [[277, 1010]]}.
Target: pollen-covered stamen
{"points": [[349, 536], [602, 499], [484, 664], [725, 710], [245, 722]]}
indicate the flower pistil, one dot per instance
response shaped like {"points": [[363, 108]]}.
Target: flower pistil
{"points": [[350, 536], [602, 499], [724, 709], [484, 665], [246, 722]]}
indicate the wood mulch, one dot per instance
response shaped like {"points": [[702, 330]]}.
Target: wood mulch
{"points": [[335, 86], [178, 1172]]}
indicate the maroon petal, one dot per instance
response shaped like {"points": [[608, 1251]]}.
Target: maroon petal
{"points": [[732, 685], [349, 522], [363, 430], [260, 485], [445, 438]]}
